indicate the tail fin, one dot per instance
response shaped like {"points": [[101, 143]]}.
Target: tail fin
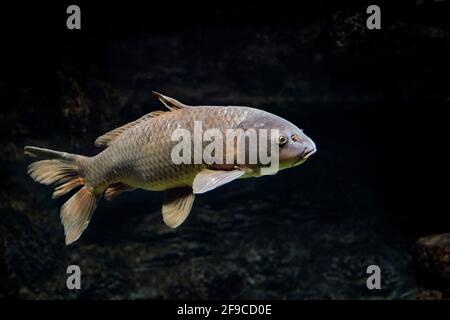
{"points": [[64, 171]]}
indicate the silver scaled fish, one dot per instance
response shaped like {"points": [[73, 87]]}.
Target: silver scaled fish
{"points": [[139, 155]]}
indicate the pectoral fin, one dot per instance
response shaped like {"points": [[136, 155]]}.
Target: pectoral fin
{"points": [[207, 180], [177, 205]]}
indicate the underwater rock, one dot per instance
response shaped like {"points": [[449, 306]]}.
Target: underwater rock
{"points": [[429, 295], [432, 256]]}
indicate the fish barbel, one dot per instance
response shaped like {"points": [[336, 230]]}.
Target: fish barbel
{"points": [[140, 155]]}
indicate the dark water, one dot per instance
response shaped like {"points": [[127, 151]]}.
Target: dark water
{"points": [[375, 103]]}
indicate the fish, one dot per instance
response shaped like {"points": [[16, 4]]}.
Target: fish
{"points": [[140, 155]]}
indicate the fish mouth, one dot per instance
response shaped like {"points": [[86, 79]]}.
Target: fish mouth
{"points": [[305, 155], [308, 153]]}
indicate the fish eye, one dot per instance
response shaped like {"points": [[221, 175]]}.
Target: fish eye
{"points": [[282, 140]]}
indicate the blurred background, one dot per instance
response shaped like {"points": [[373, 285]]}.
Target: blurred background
{"points": [[376, 102]]}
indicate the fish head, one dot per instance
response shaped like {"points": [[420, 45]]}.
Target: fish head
{"points": [[295, 147]]}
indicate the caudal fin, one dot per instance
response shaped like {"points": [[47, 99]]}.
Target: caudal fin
{"points": [[64, 171], [77, 212]]}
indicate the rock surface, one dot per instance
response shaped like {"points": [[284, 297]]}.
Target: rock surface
{"points": [[432, 256]]}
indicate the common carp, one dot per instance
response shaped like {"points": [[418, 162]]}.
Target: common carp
{"points": [[158, 152]]}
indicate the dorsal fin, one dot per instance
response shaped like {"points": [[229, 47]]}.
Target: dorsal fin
{"points": [[170, 103], [109, 137]]}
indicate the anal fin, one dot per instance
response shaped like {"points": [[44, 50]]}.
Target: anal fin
{"points": [[115, 189], [177, 205]]}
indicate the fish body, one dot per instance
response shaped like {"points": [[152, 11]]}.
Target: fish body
{"points": [[140, 155]]}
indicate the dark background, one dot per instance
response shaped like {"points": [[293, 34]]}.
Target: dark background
{"points": [[376, 102]]}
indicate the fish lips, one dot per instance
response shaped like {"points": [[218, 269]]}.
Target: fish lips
{"points": [[308, 153], [304, 156]]}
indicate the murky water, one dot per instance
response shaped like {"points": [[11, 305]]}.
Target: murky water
{"points": [[306, 233]]}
